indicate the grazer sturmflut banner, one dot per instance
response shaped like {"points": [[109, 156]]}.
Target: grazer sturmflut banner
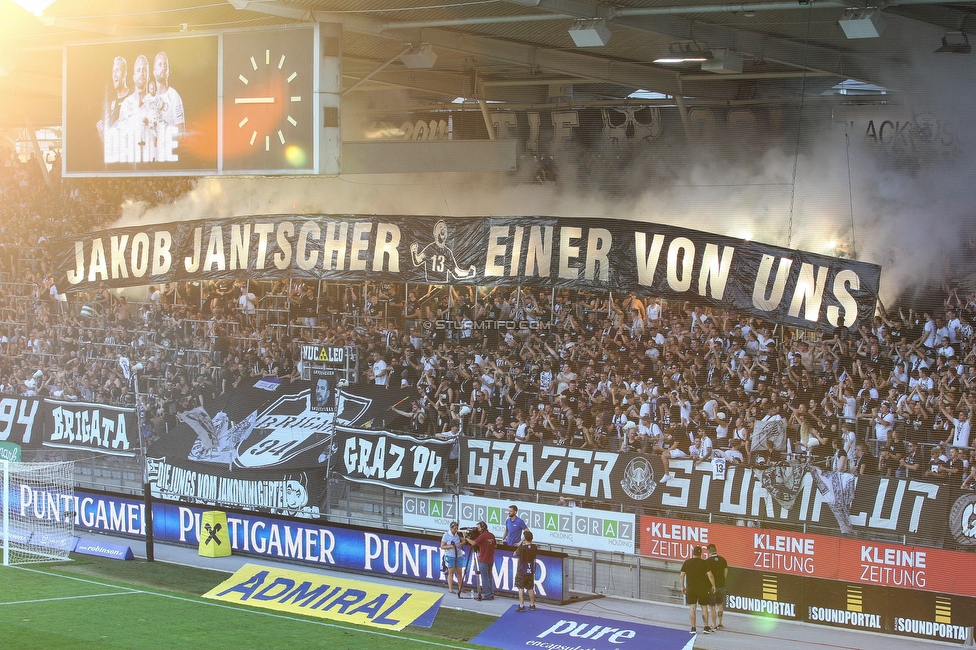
{"points": [[782, 285], [889, 505]]}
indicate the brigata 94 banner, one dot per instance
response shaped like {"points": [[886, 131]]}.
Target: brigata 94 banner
{"points": [[814, 556]]}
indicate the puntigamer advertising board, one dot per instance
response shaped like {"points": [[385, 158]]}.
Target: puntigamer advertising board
{"points": [[379, 552]]}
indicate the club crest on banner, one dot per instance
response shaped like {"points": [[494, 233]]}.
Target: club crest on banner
{"points": [[784, 480], [287, 429], [962, 520], [638, 481]]}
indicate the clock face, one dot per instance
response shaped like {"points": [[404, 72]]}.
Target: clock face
{"points": [[267, 91]]}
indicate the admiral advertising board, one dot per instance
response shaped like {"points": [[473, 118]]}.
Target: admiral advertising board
{"points": [[378, 552], [350, 601], [598, 530]]}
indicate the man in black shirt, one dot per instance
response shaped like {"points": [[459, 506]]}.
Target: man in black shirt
{"points": [[719, 569], [911, 463], [697, 584], [525, 553], [862, 463]]}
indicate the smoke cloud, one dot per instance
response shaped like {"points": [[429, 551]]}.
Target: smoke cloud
{"points": [[899, 199]]}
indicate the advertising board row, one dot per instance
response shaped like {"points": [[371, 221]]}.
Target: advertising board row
{"points": [[849, 600], [815, 556], [876, 608], [378, 552], [597, 530]]}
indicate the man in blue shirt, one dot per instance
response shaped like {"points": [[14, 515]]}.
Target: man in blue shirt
{"points": [[514, 526]]}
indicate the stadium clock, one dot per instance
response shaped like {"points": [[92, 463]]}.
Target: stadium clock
{"points": [[268, 95]]}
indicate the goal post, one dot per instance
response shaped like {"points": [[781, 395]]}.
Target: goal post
{"points": [[37, 508]]}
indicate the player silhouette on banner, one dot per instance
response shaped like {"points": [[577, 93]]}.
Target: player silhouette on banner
{"points": [[438, 259]]}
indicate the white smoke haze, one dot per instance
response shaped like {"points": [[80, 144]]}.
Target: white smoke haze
{"points": [[908, 218]]}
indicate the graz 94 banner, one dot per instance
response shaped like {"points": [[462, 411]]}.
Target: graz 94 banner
{"points": [[394, 461]]}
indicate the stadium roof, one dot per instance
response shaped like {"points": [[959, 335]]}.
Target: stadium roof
{"points": [[521, 51]]}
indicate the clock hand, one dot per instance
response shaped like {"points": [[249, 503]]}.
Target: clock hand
{"points": [[254, 100]]}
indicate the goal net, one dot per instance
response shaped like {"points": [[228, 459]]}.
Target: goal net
{"points": [[37, 509]]}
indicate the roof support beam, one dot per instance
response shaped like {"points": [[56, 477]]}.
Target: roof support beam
{"points": [[629, 75]]}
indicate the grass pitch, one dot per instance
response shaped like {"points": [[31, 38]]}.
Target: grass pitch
{"points": [[94, 603]]}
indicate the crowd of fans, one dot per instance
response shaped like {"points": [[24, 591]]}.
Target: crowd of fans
{"points": [[625, 372]]}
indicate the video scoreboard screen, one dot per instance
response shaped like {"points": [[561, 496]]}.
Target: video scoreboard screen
{"points": [[235, 102]]}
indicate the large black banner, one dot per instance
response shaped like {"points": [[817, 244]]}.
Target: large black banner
{"points": [[879, 504], [269, 444], [34, 423], [393, 461], [264, 425], [296, 494], [263, 445], [782, 285]]}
